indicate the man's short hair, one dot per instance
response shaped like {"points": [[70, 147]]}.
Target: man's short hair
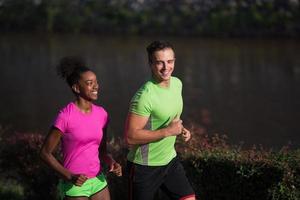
{"points": [[157, 46]]}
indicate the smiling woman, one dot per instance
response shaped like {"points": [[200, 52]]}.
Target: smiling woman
{"points": [[81, 80], [87, 87], [81, 126]]}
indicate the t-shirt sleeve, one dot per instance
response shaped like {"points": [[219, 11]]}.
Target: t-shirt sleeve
{"points": [[61, 122], [106, 120], [140, 103], [178, 83]]}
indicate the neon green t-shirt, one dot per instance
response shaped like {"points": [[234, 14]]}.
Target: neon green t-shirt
{"points": [[161, 105]]}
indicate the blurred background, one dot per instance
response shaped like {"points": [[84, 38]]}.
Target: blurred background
{"points": [[238, 60]]}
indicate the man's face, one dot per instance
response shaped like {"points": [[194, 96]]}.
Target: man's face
{"points": [[162, 65]]}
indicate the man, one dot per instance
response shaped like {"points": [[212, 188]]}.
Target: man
{"points": [[152, 124]]}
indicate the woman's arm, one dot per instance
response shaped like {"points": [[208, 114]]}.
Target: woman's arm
{"points": [[51, 142], [107, 158]]}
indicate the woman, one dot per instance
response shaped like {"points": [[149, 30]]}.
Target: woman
{"points": [[81, 127]]}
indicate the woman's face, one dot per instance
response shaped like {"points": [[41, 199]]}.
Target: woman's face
{"points": [[87, 86], [162, 64]]}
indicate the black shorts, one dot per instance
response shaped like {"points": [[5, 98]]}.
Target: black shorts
{"points": [[144, 181]]}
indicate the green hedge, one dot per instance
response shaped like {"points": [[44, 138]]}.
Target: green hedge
{"points": [[216, 170], [217, 178]]}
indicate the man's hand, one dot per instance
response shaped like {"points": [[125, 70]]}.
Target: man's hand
{"points": [[175, 127]]}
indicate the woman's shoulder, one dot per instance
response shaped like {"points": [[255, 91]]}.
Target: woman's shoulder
{"points": [[64, 113], [99, 108], [67, 109]]}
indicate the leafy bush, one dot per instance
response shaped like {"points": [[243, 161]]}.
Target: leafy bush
{"points": [[215, 169], [20, 162], [220, 171], [180, 17], [9, 190]]}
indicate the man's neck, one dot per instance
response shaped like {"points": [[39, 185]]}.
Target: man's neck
{"points": [[164, 84]]}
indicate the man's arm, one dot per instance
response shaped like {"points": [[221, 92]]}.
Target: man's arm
{"points": [[135, 132]]}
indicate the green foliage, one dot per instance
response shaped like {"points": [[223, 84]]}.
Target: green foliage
{"points": [[221, 171], [20, 162], [216, 169], [9, 190], [221, 178], [180, 17]]}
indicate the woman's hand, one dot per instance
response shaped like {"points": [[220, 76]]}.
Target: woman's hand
{"points": [[78, 179], [115, 168]]}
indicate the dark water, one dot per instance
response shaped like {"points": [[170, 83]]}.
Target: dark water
{"points": [[248, 89]]}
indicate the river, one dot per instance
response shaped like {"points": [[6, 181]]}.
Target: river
{"points": [[247, 89]]}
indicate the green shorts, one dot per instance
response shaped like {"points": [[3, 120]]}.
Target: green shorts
{"points": [[89, 188]]}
